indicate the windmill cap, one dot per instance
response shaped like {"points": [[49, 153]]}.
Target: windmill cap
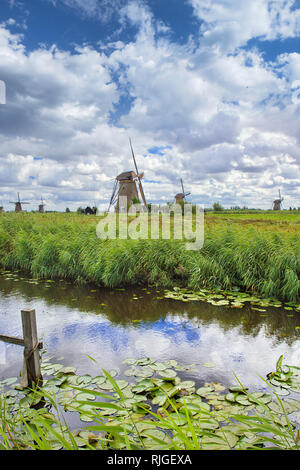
{"points": [[126, 175]]}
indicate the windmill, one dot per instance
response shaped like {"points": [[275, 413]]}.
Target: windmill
{"points": [[277, 203], [128, 184], [181, 196], [18, 204], [41, 206]]}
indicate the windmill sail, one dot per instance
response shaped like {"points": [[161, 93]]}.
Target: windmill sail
{"points": [[181, 196], [138, 176], [278, 202], [18, 203]]}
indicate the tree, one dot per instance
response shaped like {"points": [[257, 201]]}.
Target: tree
{"points": [[217, 207]]}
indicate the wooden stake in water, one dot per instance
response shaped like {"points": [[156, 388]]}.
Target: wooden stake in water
{"points": [[31, 375]]}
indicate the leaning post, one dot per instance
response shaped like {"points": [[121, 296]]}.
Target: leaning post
{"points": [[31, 370]]}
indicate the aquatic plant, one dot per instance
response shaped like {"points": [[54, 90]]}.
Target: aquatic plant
{"points": [[155, 410]]}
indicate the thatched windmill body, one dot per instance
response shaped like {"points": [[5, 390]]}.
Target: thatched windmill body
{"points": [[180, 197], [128, 184], [18, 204], [277, 203]]}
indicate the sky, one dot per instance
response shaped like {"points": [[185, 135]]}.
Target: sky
{"points": [[207, 90]]}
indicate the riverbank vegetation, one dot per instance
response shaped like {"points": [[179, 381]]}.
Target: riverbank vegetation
{"points": [[258, 253], [154, 409]]}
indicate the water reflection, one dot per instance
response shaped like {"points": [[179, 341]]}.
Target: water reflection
{"points": [[78, 322]]}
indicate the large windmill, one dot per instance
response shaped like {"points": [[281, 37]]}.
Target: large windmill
{"points": [[277, 203], [18, 204], [181, 196], [128, 184], [42, 206]]}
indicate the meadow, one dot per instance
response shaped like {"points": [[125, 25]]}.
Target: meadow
{"points": [[252, 251]]}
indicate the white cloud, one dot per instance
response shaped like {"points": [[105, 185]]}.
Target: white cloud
{"points": [[228, 117], [228, 24]]}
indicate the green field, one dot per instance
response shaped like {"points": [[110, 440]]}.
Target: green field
{"points": [[254, 251]]}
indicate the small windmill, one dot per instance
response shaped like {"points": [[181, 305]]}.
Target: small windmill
{"points": [[277, 203], [181, 196], [128, 184], [42, 206], [18, 204]]}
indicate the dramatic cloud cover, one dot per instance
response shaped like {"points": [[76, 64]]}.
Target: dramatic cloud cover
{"points": [[207, 90]]}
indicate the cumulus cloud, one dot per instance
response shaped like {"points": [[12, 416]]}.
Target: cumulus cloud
{"points": [[228, 24], [226, 118]]}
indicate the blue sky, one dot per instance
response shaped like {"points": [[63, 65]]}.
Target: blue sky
{"points": [[208, 91]]}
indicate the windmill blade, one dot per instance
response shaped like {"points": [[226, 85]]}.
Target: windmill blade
{"points": [[138, 176], [135, 165], [142, 193], [113, 196], [182, 185]]}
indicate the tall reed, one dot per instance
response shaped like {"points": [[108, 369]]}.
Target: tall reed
{"points": [[236, 256]]}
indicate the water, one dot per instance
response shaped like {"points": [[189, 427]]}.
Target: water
{"points": [[80, 323]]}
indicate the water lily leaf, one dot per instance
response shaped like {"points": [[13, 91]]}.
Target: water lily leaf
{"points": [[122, 384], [144, 361], [144, 372], [172, 362], [203, 391], [160, 399], [144, 385], [100, 379], [178, 418], [83, 379], [85, 396], [266, 398], [112, 372], [130, 361], [154, 433], [131, 372], [231, 397], [237, 388], [85, 418], [68, 370], [167, 374], [282, 391], [9, 381], [242, 400]]}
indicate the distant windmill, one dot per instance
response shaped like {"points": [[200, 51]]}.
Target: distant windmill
{"points": [[18, 204], [41, 206], [181, 196], [277, 203], [128, 184]]}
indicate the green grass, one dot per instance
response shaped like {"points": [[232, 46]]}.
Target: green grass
{"points": [[257, 257]]}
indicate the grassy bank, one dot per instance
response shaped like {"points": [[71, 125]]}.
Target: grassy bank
{"points": [[257, 252]]}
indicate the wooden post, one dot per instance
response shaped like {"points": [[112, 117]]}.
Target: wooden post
{"points": [[31, 370]]}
